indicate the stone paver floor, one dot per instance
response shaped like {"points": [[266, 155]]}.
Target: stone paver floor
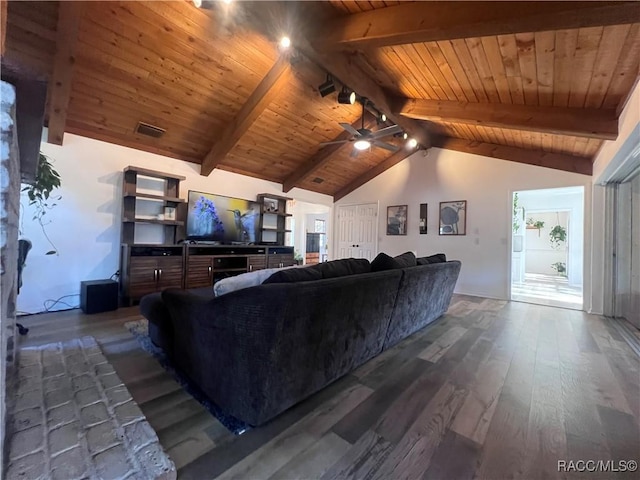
{"points": [[71, 417]]}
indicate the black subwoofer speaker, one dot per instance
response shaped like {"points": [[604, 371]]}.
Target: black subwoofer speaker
{"points": [[98, 296]]}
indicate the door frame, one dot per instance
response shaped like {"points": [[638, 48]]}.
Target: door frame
{"points": [[335, 236]]}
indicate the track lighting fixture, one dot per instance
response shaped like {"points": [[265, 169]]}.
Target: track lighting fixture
{"points": [[346, 96], [405, 135], [327, 87], [197, 3], [383, 117]]}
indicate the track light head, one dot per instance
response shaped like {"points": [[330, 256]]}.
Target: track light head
{"points": [[346, 96], [327, 87], [405, 135], [383, 118]]}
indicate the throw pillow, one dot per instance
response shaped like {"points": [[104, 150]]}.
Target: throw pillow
{"points": [[437, 258], [384, 262], [343, 267], [292, 275], [244, 280], [407, 259]]}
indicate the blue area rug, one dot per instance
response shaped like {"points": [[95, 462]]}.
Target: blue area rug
{"points": [[140, 330]]}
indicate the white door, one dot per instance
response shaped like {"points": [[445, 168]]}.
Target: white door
{"points": [[357, 231]]}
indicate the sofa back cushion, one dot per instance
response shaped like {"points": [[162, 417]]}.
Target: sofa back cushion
{"points": [[292, 275], [343, 267], [407, 259], [386, 262], [437, 258]]}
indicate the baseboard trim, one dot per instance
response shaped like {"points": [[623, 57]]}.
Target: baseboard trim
{"points": [[626, 332]]}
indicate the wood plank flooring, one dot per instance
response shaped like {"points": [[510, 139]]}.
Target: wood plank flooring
{"points": [[491, 390]]}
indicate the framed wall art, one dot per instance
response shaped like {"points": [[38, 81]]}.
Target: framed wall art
{"points": [[453, 218], [423, 218], [397, 220]]}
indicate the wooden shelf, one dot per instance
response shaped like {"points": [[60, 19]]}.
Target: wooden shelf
{"points": [[150, 196], [279, 214], [243, 269], [153, 173], [280, 230], [153, 220]]}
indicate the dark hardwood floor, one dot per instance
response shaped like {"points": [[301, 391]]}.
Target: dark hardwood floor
{"points": [[491, 390]]}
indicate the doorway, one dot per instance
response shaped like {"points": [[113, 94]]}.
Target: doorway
{"points": [[311, 229], [548, 247], [357, 231]]}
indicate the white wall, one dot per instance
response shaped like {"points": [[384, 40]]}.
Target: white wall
{"points": [[549, 200], [487, 184], [85, 225]]}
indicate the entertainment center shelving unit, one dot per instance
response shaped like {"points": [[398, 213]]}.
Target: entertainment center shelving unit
{"points": [[148, 268]]}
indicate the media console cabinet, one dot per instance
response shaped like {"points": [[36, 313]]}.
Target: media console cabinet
{"points": [[151, 268]]}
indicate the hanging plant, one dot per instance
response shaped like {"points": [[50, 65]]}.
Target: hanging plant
{"points": [[516, 221], [557, 236], [39, 194]]}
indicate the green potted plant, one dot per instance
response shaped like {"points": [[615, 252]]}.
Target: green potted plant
{"points": [[557, 236], [560, 268], [39, 194]]}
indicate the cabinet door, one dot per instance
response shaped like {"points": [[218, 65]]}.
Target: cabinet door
{"points": [[281, 260], [169, 272], [256, 262], [142, 276], [199, 272]]}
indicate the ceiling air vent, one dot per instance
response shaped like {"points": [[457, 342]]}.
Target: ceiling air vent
{"points": [[149, 130], [318, 180]]}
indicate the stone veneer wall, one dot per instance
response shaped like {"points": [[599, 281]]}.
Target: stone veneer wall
{"points": [[9, 211]]}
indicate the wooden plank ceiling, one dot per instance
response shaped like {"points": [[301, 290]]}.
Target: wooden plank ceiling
{"points": [[541, 83]]}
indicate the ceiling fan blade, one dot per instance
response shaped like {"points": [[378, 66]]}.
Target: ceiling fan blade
{"points": [[386, 146], [350, 129], [334, 142], [392, 130]]}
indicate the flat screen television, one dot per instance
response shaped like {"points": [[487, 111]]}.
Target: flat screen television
{"points": [[216, 218]]}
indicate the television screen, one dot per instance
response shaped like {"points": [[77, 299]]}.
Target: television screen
{"points": [[222, 219]]}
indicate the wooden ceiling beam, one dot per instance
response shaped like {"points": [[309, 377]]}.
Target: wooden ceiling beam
{"points": [[3, 25], [69, 16], [557, 161], [266, 91], [581, 122], [323, 156], [434, 21], [372, 173]]}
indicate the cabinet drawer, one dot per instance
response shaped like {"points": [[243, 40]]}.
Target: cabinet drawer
{"points": [[280, 260], [256, 262]]}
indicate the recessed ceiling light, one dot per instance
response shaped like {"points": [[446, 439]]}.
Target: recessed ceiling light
{"points": [[285, 42], [361, 144], [412, 143]]}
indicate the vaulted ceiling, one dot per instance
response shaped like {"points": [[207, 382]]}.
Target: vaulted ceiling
{"points": [[533, 82]]}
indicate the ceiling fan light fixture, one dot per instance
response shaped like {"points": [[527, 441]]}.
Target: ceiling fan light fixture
{"points": [[361, 144], [327, 87], [412, 143], [285, 42], [346, 96]]}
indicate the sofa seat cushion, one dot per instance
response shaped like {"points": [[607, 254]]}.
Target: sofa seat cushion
{"points": [[292, 275], [343, 267], [437, 258], [244, 280]]}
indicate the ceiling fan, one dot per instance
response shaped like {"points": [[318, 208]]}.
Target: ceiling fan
{"points": [[363, 138]]}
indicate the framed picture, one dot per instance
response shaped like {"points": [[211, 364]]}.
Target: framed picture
{"points": [[397, 220], [423, 218], [453, 218], [169, 213]]}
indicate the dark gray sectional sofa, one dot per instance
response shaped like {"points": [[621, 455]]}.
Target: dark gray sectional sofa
{"points": [[256, 352]]}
